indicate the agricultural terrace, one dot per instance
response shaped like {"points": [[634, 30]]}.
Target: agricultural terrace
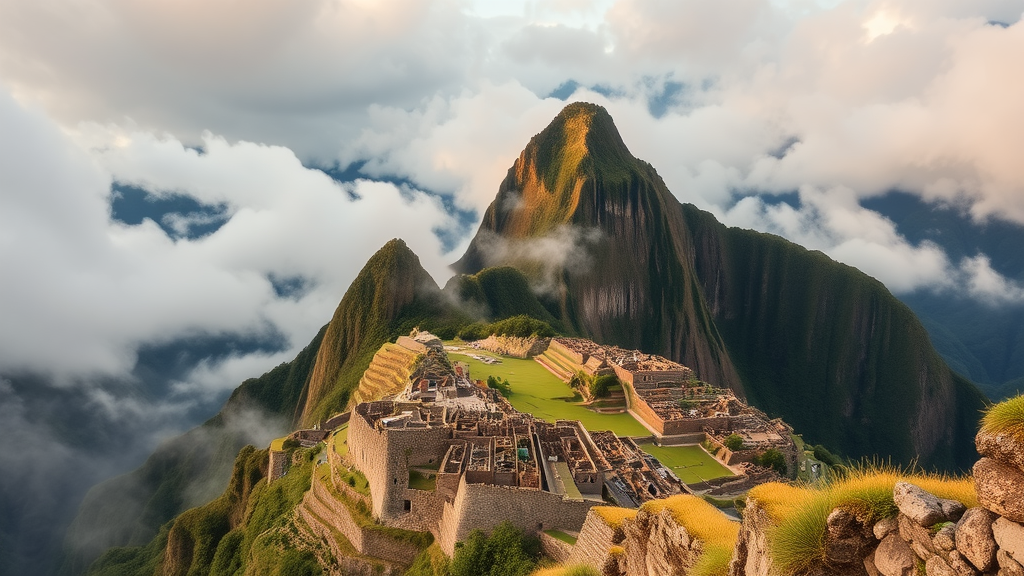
{"points": [[541, 393], [690, 463]]}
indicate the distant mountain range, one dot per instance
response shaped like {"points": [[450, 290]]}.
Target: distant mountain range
{"points": [[588, 238], [981, 340]]}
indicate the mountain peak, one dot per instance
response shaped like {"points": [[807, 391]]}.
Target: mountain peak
{"points": [[580, 141]]}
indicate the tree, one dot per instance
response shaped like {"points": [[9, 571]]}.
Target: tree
{"points": [[773, 459], [507, 552], [734, 442], [601, 385]]}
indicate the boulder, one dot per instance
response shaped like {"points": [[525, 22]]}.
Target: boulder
{"points": [[893, 557], [945, 539], [1010, 538], [923, 508], [960, 565], [974, 538], [884, 527], [1006, 448], [936, 566], [953, 509], [869, 565], [1008, 566], [1000, 488], [918, 537]]}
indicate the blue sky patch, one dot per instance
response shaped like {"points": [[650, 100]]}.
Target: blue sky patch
{"points": [[178, 215]]}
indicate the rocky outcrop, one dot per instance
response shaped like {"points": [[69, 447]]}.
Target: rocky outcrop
{"points": [[928, 535], [657, 545]]}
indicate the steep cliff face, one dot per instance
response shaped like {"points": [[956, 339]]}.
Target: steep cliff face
{"points": [[598, 231], [803, 337], [831, 349]]}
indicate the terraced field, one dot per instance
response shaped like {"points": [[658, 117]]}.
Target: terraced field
{"points": [[387, 375]]}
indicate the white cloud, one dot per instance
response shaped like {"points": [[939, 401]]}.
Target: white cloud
{"points": [[80, 292]]}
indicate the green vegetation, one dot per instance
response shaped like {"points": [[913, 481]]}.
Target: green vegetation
{"points": [[241, 531], [340, 441], [770, 286], [602, 385], [502, 292], [690, 463], [734, 442], [1005, 418], [539, 392], [798, 538], [822, 454], [420, 481], [567, 538], [773, 459], [501, 385], [706, 523], [430, 562], [189, 468], [521, 326], [506, 552]]}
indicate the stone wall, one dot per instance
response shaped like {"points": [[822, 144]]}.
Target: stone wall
{"points": [[514, 346], [385, 455], [595, 540], [278, 466], [554, 548], [482, 506], [320, 504]]}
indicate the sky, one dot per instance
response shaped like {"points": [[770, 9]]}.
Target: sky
{"points": [[187, 175]]}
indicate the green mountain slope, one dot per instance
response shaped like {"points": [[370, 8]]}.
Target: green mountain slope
{"points": [[831, 349], [390, 296], [819, 343]]}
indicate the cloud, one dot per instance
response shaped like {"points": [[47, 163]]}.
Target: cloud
{"points": [[833, 222], [86, 291]]}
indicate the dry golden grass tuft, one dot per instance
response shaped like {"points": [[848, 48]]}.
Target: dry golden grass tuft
{"points": [[1005, 418], [614, 516]]}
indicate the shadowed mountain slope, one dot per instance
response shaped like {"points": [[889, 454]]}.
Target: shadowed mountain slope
{"points": [[814, 341]]}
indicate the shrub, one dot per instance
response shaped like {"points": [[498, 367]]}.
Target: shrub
{"points": [[506, 552], [599, 388], [734, 442], [500, 384], [773, 459]]}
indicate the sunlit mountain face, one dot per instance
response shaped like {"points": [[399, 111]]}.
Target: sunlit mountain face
{"points": [[188, 189]]}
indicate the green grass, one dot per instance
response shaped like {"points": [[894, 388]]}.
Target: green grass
{"points": [[1005, 418], [341, 441], [278, 445], [541, 393], [567, 538], [419, 481], [690, 463]]}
